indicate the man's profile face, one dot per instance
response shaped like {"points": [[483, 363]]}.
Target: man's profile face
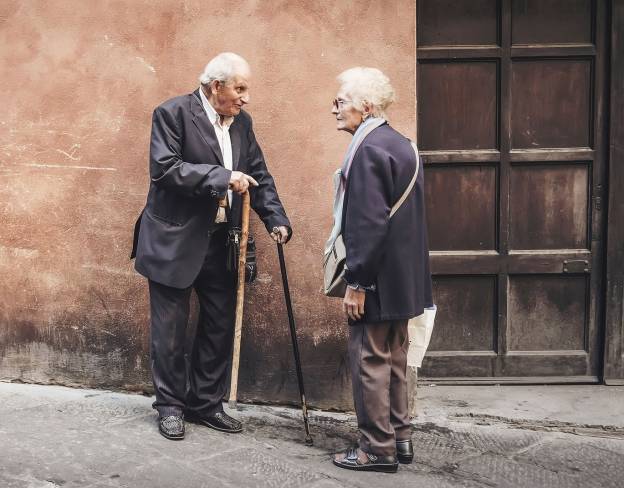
{"points": [[230, 97]]}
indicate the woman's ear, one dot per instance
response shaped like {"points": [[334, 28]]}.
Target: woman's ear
{"points": [[367, 109]]}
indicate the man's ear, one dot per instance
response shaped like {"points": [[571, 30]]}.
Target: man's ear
{"points": [[214, 85]]}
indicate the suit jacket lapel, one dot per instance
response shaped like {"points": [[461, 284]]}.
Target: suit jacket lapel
{"points": [[205, 128], [236, 144]]}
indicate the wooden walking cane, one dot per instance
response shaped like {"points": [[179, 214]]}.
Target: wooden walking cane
{"points": [[240, 298]]}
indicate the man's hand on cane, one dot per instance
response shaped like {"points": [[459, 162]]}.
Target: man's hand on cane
{"points": [[280, 234], [239, 182]]}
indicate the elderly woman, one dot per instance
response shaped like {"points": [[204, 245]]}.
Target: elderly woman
{"points": [[387, 266]]}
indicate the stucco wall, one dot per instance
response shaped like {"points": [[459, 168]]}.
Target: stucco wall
{"points": [[80, 80]]}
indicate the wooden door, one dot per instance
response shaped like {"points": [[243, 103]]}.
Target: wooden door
{"points": [[614, 279], [511, 127]]}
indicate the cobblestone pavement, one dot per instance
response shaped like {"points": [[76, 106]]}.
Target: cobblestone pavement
{"points": [[61, 437]]}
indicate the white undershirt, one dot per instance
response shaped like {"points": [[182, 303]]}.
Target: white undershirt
{"points": [[222, 130]]}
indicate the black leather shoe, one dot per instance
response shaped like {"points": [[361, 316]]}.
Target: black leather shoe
{"points": [[171, 427], [405, 451], [220, 421], [382, 464]]}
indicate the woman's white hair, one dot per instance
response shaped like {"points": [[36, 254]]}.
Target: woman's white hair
{"points": [[223, 67], [367, 85]]}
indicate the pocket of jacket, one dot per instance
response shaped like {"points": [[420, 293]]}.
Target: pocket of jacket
{"points": [[165, 220]]}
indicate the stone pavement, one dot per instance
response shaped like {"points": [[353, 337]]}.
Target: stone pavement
{"points": [[465, 437]]}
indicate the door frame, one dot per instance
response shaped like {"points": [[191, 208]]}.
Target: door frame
{"points": [[614, 273]]}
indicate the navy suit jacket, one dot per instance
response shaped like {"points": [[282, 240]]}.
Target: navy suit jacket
{"points": [[390, 255], [187, 179]]}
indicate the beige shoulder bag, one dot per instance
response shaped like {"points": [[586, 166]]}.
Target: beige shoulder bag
{"points": [[336, 258]]}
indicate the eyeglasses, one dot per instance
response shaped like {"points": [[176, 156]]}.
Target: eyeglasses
{"points": [[339, 103]]}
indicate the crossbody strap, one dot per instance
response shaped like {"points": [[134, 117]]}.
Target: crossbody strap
{"points": [[407, 191], [365, 131]]}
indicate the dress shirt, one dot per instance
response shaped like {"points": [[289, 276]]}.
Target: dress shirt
{"points": [[222, 130]]}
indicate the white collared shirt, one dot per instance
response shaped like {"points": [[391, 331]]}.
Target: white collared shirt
{"points": [[222, 130]]}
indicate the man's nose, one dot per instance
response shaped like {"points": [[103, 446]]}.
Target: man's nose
{"points": [[245, 98]]}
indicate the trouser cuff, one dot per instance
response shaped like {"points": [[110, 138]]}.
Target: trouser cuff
{"points": [[166, 411]]}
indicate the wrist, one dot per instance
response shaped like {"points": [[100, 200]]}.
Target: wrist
{"points": [[357, 287]]}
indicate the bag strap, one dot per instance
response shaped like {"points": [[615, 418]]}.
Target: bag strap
{"points": [[407, 191], [366, 130]]}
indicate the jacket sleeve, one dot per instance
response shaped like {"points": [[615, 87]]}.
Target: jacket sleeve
{"points": [[264, 198], [168, 170], [367, 215]]}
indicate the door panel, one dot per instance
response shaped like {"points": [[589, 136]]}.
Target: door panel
{"points": [[548, 206], [550, 103], [510, 110], [456, 22], [547, 313], [460, 113], [551, 22], [465, 197], [467, 320]]}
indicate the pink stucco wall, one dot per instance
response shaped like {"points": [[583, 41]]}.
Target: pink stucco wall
{"points": [[80, 79]]}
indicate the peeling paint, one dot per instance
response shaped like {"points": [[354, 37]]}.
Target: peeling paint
{"points": [[18, 252], [146, 64], [67, 166]]}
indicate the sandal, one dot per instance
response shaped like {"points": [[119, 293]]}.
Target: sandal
{"points": [[358, 460]]}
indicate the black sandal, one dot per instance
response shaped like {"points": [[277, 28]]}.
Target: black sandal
{"points": [[382, 464]]}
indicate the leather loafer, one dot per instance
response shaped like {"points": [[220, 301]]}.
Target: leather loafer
{"points": [[220, 421], [405, 451], [371, 462], [171, 427]]}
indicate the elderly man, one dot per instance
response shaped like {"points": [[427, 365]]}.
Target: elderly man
{"points": [[203, 155]]}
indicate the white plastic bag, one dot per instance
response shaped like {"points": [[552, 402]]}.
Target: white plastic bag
{"points": [[419, 330]]}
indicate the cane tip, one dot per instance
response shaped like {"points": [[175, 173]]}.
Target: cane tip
{"points": [[309, 441], [232, 404]]}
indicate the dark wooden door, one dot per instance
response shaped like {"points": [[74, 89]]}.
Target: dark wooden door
{"points": [[510, 126], [614, 279]]}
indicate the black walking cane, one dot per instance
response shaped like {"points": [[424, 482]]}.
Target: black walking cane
{"points": [[293, 336]]}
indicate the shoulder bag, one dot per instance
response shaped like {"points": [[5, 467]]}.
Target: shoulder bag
{"points": [[336, 258]]}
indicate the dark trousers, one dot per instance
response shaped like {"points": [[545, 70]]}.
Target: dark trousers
{"points": [[378, 361], [212, 346]]}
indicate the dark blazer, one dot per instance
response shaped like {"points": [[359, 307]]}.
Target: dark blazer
{"points": [[187, 179], [391, 256]]}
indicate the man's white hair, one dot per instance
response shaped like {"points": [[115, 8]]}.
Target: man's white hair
{"points": [[223, 67], [367, 85]]}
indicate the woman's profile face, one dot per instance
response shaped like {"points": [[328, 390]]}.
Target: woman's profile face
{"points": [[347, 117]]}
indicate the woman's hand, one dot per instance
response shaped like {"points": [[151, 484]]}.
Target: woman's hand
{"points": [[353, 303]]}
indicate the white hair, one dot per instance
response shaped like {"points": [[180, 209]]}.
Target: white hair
{"points": [[367, 86], [223, 67]]}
